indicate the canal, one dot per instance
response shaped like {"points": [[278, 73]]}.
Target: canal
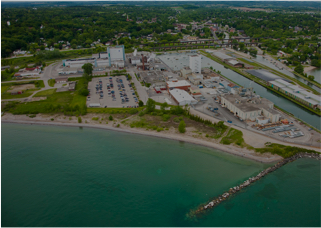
{"points": [[315, 73], [178, 61]]}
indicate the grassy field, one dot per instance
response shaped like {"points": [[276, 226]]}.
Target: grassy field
{"points": [[26, 93], [51, 82], [45, 93], [114, 110], [69, 101]]}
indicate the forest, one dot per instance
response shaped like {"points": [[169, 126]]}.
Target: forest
{"points": [[81, 25]]}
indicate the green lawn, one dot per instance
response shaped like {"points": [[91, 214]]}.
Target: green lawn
{"points": [[51, 82], [45, 93], [26, 93], [69, 101]]}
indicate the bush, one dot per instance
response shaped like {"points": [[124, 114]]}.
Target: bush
{"points": [[160, 129], [79, 119], [141, 113], [83, 92], [52, 119], [141, 103], [133, 111], [95, 118], [176, 119], [166, 117], [110, 118], [181, 127]]}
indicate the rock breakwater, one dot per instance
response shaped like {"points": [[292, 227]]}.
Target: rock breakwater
{"points": [[232, 191]]}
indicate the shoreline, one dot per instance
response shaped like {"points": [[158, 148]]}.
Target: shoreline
{"points": [[233, 150], [309, 68]]}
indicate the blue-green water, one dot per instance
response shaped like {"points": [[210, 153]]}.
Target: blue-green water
{"points": [[59, 176]]}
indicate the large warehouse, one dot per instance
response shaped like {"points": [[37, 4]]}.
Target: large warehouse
{"points": [[182, 97], [250, 108], [178, 84]]}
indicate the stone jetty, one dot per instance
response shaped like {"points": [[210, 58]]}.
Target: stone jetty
{"points": [[202, 208]]}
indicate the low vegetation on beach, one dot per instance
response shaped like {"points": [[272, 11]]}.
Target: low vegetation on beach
{"points": [[282, 150]]}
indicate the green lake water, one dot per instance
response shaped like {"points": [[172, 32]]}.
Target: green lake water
{"points": [[63, 176]]}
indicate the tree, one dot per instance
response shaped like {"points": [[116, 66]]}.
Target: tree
{"points": [[110, 118], [141, 103], [88, 68], [311, 77], [84, 92], [181, 127], [150, 105], [164, 106], [299, 69]]}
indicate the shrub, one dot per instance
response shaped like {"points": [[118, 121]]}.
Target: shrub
{"points": [[176, 119], [79, 119], [110, 118], [141, 103], [117, 125], [52, 119], [95, 118], [154, 127], [70, 118], [141, 113], [181, 127], [133, 111], [160, 129], [166, 117]]}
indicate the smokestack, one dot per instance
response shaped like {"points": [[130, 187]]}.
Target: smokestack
{"points": [[143, 61]]}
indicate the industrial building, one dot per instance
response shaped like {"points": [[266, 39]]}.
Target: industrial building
{"points": [[35, 71], [235, 63], [195, 63], [178, 84], [116, 55], [78, 63], [251, 108], [222, 56], [186, 71], [181, 97], [264, 75], [299, 94], [154, 78]]}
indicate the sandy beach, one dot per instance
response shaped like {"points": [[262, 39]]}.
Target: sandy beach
{"points": [[253, 139], [308, 69]]}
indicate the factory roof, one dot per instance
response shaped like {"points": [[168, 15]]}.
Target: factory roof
{"points": [[181, 95], [233, 62], [297, 91], [177, 83], [222, 55], [249, 104]]}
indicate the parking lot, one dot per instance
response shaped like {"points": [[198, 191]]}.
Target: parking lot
{"points": [[115, 92]]}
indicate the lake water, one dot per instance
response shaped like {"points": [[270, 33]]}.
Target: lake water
{"points": [[60, 176], [316, 73], [303, 114]]}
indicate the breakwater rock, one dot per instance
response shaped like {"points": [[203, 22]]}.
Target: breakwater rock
{"points": [[216, 201]]}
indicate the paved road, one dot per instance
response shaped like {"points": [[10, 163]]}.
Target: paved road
{"points": [[140, 89]]}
